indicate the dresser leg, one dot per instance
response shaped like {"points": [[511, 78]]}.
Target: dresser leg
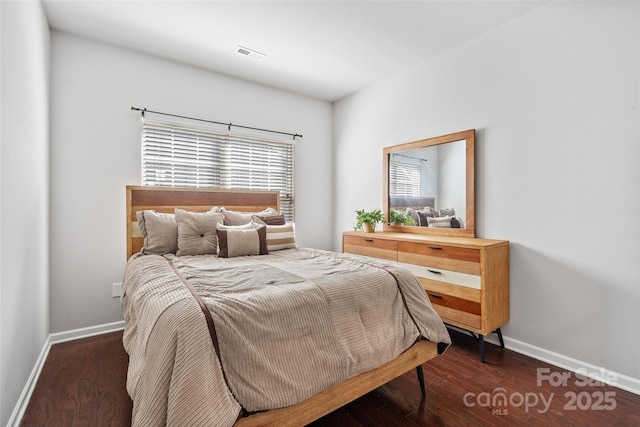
{"points": [[499, 332], [421, 379], [481, 343]]}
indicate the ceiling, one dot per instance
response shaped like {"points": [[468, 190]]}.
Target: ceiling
{"points": [[322, 49]]}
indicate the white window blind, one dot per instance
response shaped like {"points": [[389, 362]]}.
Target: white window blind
{"points": [[177, 155], [404, 179]]}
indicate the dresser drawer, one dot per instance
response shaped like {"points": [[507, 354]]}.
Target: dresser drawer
{"points": [[442, 275], [456, 303], [370, 246], [462, 292], [463, 260]]}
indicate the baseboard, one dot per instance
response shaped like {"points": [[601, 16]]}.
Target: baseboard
{"points": [[23, 400], [76, 334], [56, 338], [615, 379]]}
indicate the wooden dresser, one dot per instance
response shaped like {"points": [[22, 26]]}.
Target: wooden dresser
{"points": [[466, 279]]}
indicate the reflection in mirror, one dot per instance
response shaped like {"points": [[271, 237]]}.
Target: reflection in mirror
{"points": [[429, 180], [432, 181]]}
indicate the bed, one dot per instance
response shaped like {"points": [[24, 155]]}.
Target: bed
{"points": [[276, 339]]}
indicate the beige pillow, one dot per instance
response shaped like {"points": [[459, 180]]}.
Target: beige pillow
{"points": [[197, 232], [235, 242], [240, 218], [160, 232], [281, 237], [442, 222]]}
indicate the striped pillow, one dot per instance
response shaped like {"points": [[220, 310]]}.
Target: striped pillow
{"points": [[280, 237]]}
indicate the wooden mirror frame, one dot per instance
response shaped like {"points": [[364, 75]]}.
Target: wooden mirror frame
{"points": [[470, 227]]}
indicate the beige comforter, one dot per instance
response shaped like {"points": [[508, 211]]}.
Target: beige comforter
{"points": [[289, 325]]}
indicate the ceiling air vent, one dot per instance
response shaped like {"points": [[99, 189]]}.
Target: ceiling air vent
{"points": [[250, 53]]}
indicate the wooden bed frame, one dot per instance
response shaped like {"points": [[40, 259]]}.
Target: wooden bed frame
{"points": [[164, 199]]}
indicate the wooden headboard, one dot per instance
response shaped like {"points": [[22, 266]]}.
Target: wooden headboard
{"points": [[167, 199], [417, 203]]}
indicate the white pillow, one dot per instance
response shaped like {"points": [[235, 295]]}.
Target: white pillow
{"points": [[442, 222]]}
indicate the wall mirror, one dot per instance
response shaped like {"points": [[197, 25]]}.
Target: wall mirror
{"points": [[433, 182]]}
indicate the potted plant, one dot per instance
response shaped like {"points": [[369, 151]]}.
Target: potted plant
{"points": [[397, 217], [367, 220]]}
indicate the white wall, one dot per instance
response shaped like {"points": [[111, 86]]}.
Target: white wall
{"points": [[95, 152], [24, 196], [554, 96], [452, 160]]}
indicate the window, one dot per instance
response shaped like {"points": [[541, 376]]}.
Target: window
{"points": [[177, 155], [404, 179]]}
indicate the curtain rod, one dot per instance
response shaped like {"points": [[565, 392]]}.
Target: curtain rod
{"points": [[408, 157], [143, 110]]}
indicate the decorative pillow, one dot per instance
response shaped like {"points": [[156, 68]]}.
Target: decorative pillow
{"points": [[448, 212], [240, 218], [414, 214], [442, 222], [423, 217], [197, 232], [269, 220], [242, 241], [160, 232], [281, 237], [455, 222]]}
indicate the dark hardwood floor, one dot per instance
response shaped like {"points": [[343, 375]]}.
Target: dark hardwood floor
{"points": [[83, 384]]}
